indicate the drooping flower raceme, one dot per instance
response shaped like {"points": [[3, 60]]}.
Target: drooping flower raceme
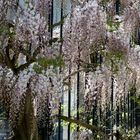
{"points": [[25, 41], [45, 88], [86, 31], [32, 28], [84, 28]]}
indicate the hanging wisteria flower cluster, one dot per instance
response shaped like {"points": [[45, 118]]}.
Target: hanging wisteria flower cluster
{"points": [[42, 87], [30, 96], [88, 29], [84, 28], [105, 43], [101, 47]]}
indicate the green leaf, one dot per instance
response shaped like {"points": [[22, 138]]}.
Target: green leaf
{"points": [[43, 62], [56, 62], [4, 28], [37, 68]]}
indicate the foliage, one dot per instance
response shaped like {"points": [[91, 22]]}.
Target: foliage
{"points": [[27, 79], [35, 67], [100, 42]]}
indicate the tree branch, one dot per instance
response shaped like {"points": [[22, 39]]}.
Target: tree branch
{"points": [[88, 126]]}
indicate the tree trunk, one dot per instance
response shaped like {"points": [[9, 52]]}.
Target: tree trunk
{"points": [[27, 126]]}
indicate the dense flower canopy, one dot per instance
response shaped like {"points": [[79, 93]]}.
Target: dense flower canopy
{"points": [[25, 40], [99, 44], [90, 29]]}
